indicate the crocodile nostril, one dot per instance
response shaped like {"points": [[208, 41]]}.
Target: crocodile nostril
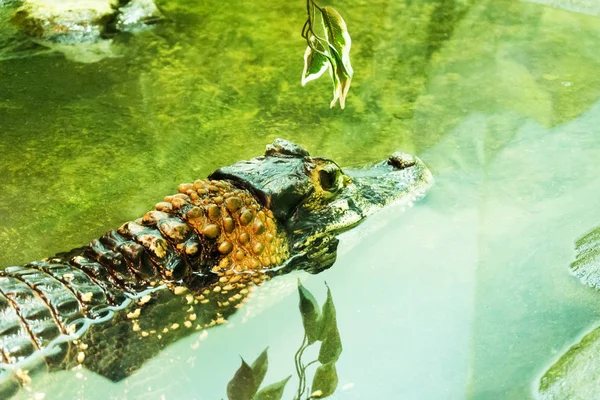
{"points": [[401, 160]]}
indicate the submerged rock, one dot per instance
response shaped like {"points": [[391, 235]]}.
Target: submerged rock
{"points": [[587, 262], [81, 29], [65, 21], [76, 22], [576, 375], [138, 14]]}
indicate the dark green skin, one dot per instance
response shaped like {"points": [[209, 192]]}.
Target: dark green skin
{"points": [[307, 200]]}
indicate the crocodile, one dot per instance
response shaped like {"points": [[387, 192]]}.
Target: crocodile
{"points": [[189, 263]]}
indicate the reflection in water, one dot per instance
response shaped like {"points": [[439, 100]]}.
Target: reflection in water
{"points": [[320, 328], [468, 296], [445, 17], [586, 266], [581, 6], [525, 302], [575, 374]]}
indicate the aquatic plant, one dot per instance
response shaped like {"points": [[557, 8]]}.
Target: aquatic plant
{"points": [[319, 326], [328, 49]]}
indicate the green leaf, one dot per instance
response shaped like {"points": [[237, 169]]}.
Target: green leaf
{"points": [[328, 319], [242, 385], [259, 368], [338, 37], [272, 392], [325, 381], [309, 309], [331, 348], [315, 62], [328, 48], [339, 42]]}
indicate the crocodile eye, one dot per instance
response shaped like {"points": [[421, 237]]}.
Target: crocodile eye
{"points": [[328, 177]]}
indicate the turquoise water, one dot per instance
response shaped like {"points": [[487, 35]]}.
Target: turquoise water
{"points": [[465, 295]]}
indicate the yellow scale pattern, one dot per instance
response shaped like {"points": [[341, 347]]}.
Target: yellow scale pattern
{"points": [[244, 231]]}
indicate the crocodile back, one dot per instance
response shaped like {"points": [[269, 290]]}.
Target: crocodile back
{"points": [[109, 306]]}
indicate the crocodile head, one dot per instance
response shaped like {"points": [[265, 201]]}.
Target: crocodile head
{"points": [[312, 197]]}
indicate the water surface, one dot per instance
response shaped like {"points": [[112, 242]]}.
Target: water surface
{"points": [[465, 295]]}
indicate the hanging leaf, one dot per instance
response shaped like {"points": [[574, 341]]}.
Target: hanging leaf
{"points": [[338, 37], [315, 65], [259, 368], [242, 386], [339, 42], [328, 48], [315, 61], [272, 392], [325, 381], [309, 309]]}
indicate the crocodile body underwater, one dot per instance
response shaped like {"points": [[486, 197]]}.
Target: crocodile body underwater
{"points": [[189, 263]]}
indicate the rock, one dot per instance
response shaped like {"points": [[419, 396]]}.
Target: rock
{"points": [[82, 21], [587, 262], [80, 29], [65, 21], [576, 375], [138, 14]]}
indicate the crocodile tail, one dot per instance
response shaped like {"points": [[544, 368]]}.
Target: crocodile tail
{"points": [[44, 300]]}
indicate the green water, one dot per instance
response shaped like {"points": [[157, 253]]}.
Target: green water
{"points": [[465, 295]]}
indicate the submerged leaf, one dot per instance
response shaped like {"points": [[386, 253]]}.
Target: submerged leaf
{"points": [[242, 385], [259, 368], [325, 381], [272, 392], [328, 319], [309, 308], [331, 348]]}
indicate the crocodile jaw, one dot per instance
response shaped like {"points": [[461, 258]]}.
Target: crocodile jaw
{"points": [[370, 189]]}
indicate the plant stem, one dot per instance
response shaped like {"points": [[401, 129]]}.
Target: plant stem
{"points": [[302, 387], [304, 368], [314, 4], [298, 364], [307, 29]]}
